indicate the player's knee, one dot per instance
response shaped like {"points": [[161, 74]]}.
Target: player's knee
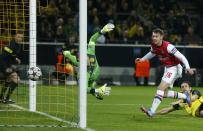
{"points": [[14, 78], [12, 86], [201, 113], [163, 85]]}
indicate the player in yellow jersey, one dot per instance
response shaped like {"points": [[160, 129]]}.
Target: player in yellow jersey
{"points": [[197, 103]]}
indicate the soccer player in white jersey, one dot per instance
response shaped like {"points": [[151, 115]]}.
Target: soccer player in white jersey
{"points": [[171, 58]]}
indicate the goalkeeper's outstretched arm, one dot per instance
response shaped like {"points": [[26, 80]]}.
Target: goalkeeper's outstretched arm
{"points": [[93, 40], [107, 28]]}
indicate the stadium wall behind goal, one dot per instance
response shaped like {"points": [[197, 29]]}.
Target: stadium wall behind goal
{"points": [[117, 61]]}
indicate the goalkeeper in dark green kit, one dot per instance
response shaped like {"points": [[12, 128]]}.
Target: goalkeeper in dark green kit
{"points": [[93, 69]]}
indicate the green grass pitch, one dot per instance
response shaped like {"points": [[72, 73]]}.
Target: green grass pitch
{"points": [[120, 112]]}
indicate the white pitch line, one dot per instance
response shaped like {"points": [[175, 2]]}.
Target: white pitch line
{"points": [[30, 126], [19, 107], [88, 129], [33, 126], [9, 110], [73, 124]]}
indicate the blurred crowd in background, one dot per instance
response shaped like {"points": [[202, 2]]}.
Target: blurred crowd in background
{"points": [[134, 19]]}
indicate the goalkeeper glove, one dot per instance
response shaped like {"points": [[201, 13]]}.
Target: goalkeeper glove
{"points": [[107, 28], [103, 90]]}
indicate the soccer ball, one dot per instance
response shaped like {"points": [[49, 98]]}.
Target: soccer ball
{"points": [[34, 73]]}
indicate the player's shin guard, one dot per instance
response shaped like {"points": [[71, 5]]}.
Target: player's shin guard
{"points": [[157, 100]]}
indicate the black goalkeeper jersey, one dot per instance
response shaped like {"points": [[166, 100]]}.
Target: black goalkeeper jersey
{"points": [[9, 54]]}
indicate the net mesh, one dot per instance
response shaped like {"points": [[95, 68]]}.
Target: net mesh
{"points": [[56, 103]]}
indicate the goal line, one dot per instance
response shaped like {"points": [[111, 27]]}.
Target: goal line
{"points": [[20, 108]]}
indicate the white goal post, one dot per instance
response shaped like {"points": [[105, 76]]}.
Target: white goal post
{"points": [[32, 52], [42, 103], [83, 63], [83, 59]]}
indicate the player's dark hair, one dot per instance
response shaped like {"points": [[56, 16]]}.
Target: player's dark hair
{"points": [[158, 30], [186, 82]]}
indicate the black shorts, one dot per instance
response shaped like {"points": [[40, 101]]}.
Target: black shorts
{"points": [[4, 74], [201, 107]]}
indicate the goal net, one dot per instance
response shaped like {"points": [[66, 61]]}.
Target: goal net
{"points": [[56, 104]]}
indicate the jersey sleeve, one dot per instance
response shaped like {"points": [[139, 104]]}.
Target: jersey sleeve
{"points": [[94, 38], [10, 50], [173, 51], [148, 56], [92, 43], [73, 59]]}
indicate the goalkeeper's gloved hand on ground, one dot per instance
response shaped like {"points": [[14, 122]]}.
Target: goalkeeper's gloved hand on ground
{"points": [[65, 53], [107, 28], [107, 90], [103, 90]]}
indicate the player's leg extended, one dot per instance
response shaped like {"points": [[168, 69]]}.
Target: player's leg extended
{"points": [[3, 86], [157, 99], [3, 76], [3, 90], [12, 80], [165, 111], [168, 78]]}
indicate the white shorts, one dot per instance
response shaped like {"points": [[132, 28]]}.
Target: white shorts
{"points": [[171, 74]]}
